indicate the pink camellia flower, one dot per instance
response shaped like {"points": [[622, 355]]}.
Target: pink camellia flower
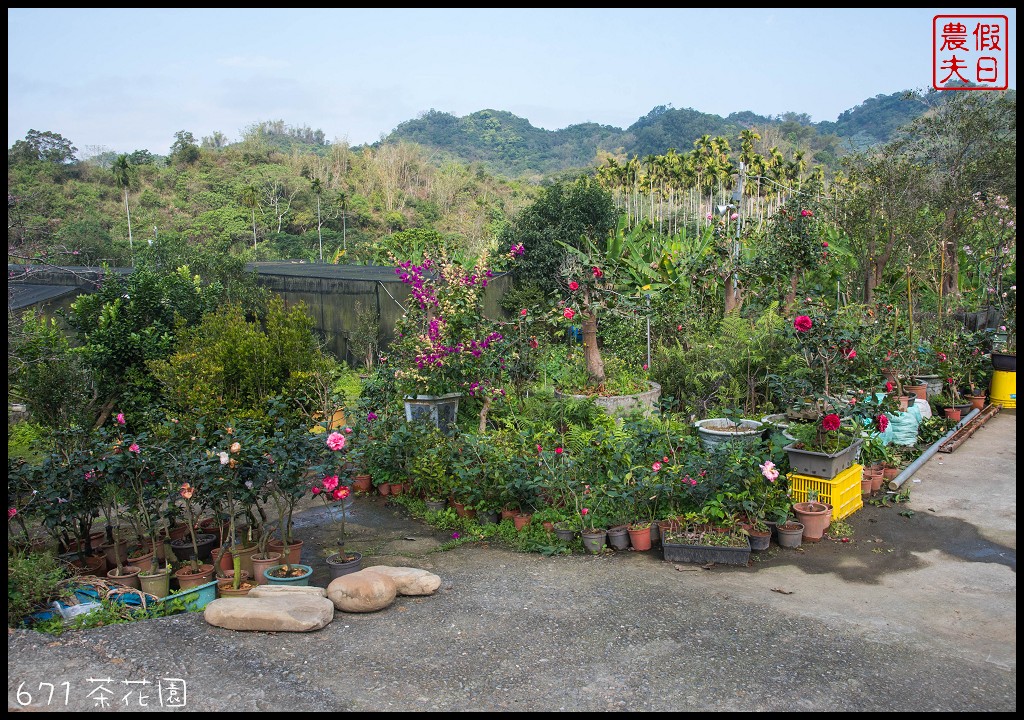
{"points": [[830, 422], [645, 367], [824, 244], [710, 216], [341, 493], [598, 273], [851, 354], [330, 482], [90, 474], [315, 489], [950, 380], [134, 447], [539, 448], [679, 327], [656, 467], [692, 481], [888, 386], [802, 323], [665, 459], [584, 511], [120, 418], [524, 312], [805, 213], [348, 431], [734, 216], [336, 441], [942, 357], [558, 451], [569, 313], [574, 285], [769, 471], [11, 512], [883, 422]]}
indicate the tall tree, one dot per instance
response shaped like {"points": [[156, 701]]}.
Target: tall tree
{"points": [[969, 145], [318, 189], [251, 199], [124, 175]]}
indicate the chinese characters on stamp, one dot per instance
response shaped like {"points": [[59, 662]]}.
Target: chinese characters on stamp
{"points": [[970, 52]]}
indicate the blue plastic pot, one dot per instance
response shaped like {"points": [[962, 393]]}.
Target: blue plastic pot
{"points": [[299, 580]]}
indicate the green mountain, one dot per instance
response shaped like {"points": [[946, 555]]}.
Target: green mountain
{"points": [[506, 144]]}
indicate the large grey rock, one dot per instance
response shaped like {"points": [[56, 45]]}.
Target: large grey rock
{"points": [[278, 590], [280, 612], [410, 580], [362, 591]]}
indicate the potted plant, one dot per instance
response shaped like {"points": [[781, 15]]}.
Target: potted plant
{"points": [[443, 341], [696, 541], [824, 448], [336, 497]]}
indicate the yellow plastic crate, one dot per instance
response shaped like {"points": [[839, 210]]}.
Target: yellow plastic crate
{"points": [[841, 492]]}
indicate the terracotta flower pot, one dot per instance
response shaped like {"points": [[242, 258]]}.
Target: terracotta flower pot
{"points": [[509, 513], [227, 590], [397, 488], [261, 563], [814, 517], [294, 550], [142, 559], [521, 520], [188, 579], [953, 414], [384, 488], [362, 483], [640, 537], [129, 576], [978, 402]]}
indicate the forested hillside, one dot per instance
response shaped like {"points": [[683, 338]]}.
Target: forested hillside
{"points": [[509, 145]]}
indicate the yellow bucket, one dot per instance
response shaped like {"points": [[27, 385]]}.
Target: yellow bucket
{"points": [[1004, 389]]}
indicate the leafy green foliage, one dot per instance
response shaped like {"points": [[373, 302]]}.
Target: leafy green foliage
{"points": [[33, 581]]}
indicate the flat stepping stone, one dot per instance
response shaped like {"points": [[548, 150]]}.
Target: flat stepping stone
{"points": [[277, 590], [410, 580], [362, 591], [274, 612]]}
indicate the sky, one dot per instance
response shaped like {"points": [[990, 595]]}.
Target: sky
{"points": [[128, 79]]}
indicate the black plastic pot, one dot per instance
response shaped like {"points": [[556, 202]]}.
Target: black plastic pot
{"points": [[205, 543]]}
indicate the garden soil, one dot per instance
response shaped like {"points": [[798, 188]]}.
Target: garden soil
{"points": [[914, 611]]}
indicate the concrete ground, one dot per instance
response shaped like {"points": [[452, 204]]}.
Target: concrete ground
{"points": [[916, 612]]}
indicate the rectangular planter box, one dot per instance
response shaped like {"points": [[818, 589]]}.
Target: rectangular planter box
{"points": [[823, 465], [703, 554]]}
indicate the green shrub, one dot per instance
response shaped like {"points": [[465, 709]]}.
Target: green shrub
{"points": [[33, 581]]}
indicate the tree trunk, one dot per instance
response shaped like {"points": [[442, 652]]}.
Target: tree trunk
{"points": [[595, 365], [790, 300], [951, 262]]}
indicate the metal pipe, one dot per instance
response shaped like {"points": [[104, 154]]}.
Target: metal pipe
{"points": [[913, 467]]}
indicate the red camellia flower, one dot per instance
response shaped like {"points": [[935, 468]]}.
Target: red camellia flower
{"points": [[598, 273], [569, 313], [824, 244], [806, 213], [883, 423], [574, 285], [802, 323], [888, 386], [830, 422], [558, 451], [523, 312]]}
